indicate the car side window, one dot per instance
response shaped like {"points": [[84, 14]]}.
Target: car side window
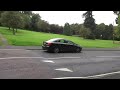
{"points": [[70, 42], [57, 41], [65, 41], [62, 41]]}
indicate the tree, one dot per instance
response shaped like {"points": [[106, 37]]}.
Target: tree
{"points": [[100, 31], [66, 30], [0, 16], [110, 32], [12, 19], [5, 19], [54, 28], [43, 26], [89, 22], [27, 12], [34, 22], [27, 21], [75, 28], [116, 33], [117, 13], [118, 30], [85, 32], [104, 31]]}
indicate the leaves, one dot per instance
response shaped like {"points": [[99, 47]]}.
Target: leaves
{"points": [[89, 22], [67, 30]]}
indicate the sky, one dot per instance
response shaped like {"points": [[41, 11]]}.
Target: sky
{"points": [[61, 17]]}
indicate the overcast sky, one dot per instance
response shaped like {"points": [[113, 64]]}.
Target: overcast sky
{"points": [[61, 17]]}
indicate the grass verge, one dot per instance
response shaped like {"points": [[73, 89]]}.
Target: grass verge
{"points": [[30, 38]]}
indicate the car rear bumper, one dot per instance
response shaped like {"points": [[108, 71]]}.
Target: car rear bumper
{"points": [[45, 47]]}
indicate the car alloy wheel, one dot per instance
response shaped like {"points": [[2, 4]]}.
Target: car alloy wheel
{"points": [[78, 50], [56, 50]]}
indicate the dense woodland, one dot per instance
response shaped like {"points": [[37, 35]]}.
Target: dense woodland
{"points": [[88, 30]]}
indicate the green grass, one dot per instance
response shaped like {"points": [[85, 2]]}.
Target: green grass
{"points": [[30, 38]]}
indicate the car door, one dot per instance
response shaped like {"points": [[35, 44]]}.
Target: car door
{"points": [[62, 45], [66, 46], [71, 46]]}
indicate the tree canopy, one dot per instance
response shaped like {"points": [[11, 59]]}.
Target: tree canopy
{"points": [[89, 22]]}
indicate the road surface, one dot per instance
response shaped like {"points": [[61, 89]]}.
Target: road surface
{"points": [[38, 64]]}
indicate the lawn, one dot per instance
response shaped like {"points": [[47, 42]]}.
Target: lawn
{"points": [[30, 38]]}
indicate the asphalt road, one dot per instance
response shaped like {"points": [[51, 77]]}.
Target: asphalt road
{"points": [[38, 64]]}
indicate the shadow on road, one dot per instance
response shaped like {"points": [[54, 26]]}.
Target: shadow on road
{"points": [[61, 52]]}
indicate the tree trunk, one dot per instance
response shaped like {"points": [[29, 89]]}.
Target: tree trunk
{"points": [[13, 31], [9, 28], [16, 29]]}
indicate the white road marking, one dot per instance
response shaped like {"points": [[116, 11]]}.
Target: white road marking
{"points": [[89, 77], [21, 57], [64, 69], [107, 56], [12, 49], [48, 61], [38, 57]]}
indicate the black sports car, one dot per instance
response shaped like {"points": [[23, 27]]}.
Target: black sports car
{"points": [[59, 44]]}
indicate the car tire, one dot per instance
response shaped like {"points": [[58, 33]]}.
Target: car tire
{"points": [[56, 50], [78, 50]]}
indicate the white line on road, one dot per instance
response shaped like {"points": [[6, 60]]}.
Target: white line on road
{"points": [[89, 77], [64, 69], [12, 49], [21, 57], [48, 61], [107, 56], [40, 57]]}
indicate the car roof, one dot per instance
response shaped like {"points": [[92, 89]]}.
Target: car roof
{"points": [[55, 39]]}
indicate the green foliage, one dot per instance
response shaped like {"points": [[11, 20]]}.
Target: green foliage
{"points": [[110, 31], [117, 13], [30, 38], [12, 19], [100, 31], [117, 32], [75, 28], [43, 26], [67, 31], [89, 22], [54, 28], [27, 12], [0, 16], [85, 32], [34, 22], [27, 21]]}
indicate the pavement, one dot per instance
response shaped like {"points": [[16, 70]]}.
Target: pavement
{"points": [[40, 48]]}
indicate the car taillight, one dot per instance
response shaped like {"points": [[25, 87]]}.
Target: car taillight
{"points": [[49, 44]]}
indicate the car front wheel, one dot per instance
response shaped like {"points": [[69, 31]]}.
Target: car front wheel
{"points": [[78, 50]]}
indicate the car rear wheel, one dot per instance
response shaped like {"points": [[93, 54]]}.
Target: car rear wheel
{"points": [[78, 50], [56, 50]]}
